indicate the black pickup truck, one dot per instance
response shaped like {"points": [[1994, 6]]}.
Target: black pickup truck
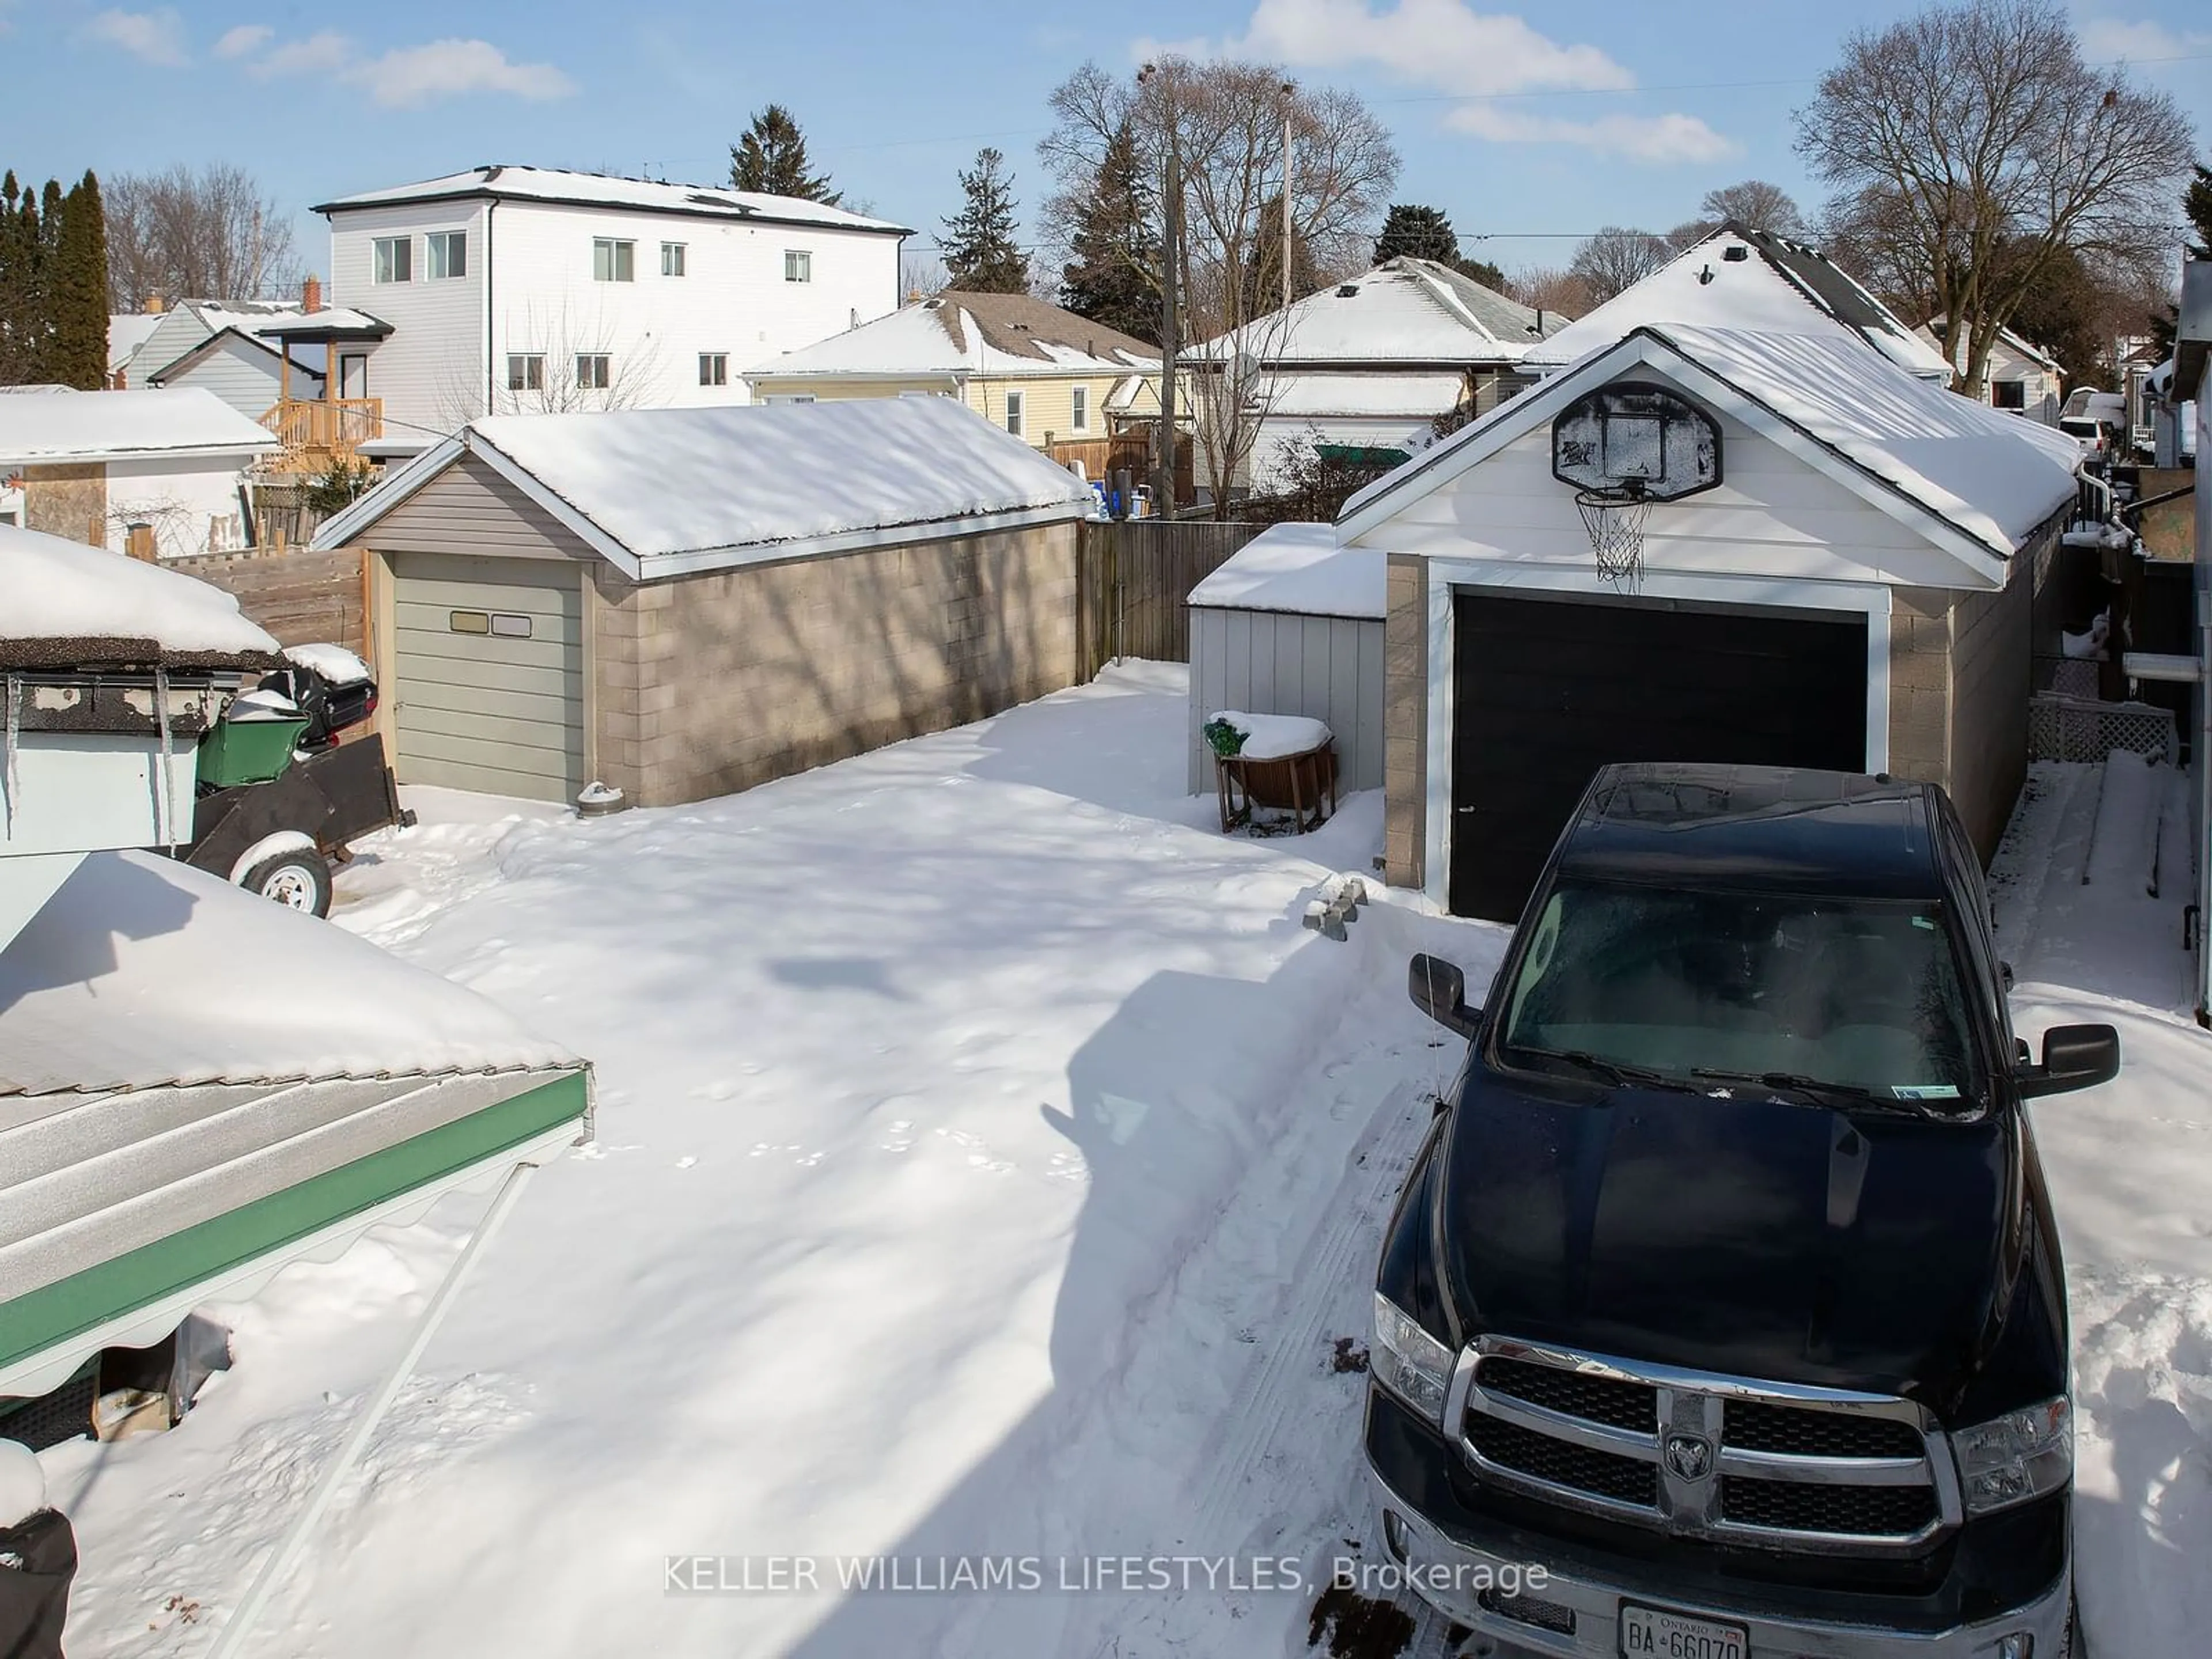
{"points": [[1723, 1303]]}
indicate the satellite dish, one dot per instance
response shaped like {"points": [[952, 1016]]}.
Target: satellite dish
{"points": [[1245, 366]]}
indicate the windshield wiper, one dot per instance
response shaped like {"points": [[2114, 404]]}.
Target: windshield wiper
{"points": [[1619, 1074], [1826, 1093]]}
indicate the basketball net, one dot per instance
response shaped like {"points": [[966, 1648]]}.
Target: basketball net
{"points": [[1614, 518]]}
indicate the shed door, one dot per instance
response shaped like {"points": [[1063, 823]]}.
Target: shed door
{"points": [[490, 660], [1546, 691]]}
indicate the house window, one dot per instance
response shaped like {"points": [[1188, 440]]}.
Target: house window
{"points": [[613, 261], [591, 371], [395, 259], [798, 265], [2008, 394], [714, 369], [448, 251], [525, 371], [672, 258], [1014, 413], [1079, 405]]}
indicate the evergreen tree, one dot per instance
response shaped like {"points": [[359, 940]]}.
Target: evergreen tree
{"points": [[771, 158], [1108, 279], [1263, 274], [15, 280], [981, 254], [2196, 204], [1410, 230], [77, 296]]}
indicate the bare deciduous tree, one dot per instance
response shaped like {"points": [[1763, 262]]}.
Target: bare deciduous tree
{"points": [[1549, 288], [182, 234], [1755, 203], [1975, 139], [1224, 123], [557, 361], [1618, 259], [1234, 386]]}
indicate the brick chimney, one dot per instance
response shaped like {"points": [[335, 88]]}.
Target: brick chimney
{"points": [[155, 305], [311, 293]]}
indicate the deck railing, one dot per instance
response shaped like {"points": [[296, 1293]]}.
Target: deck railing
{"points": [[315, 431]]}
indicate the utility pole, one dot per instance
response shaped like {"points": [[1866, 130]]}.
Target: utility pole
{"points": [[1163, 455], [1289, 91]]}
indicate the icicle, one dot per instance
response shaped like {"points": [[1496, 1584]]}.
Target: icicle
{"points": [[11, 736], [165, 823]]}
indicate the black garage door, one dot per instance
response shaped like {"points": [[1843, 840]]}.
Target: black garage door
{"points": [[1548, 690]]}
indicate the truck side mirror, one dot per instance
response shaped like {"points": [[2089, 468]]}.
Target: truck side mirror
{"points": [[1439, 990], [2074, 1057]]}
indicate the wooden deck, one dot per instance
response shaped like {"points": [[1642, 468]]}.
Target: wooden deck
{"points": [[317, 432]]}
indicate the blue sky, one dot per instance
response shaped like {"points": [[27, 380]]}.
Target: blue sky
{"points": [[1553, 120]]}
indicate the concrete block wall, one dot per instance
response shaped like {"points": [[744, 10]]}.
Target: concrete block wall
{"points": [[711, 683], [1992, 677], [1920, 685], [1405, 720]]}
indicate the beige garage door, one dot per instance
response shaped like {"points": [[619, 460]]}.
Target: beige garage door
{"points": [[490, 657]]}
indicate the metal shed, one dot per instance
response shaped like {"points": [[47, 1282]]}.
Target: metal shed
{"points": [[1292, 624]]}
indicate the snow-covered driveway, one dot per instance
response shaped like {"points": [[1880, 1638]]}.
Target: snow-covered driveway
{"points": [[920, 1076], [987, 1159]]}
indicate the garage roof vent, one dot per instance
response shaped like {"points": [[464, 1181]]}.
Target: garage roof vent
{"points": [[1346, 290]]}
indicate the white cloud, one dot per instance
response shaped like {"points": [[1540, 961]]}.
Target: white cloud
{"points": [[1637, 137], [2114, 39], [444, 68], [1449, 47], [246, 37], [316, 54], [153, 37], [1444, 43]]}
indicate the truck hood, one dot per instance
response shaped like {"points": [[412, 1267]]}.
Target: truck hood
{"points": [[1757, 1237]]}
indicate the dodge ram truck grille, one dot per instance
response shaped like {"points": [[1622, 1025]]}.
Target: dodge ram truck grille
{"points": [[1738, 1461]]}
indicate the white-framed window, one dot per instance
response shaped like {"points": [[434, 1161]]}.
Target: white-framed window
{"points": [[672, 258], [395, 259], [714, 369], [1014, 413], [525, 371], [448, 254], [1078, 403], [613, 260], [798, 265], [592, 370]]}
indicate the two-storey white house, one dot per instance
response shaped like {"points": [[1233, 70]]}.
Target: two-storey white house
{"points": [[512, 289]]}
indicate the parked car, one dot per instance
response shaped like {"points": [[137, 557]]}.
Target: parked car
{"points": [[1725, 1286], [2098, 421]]}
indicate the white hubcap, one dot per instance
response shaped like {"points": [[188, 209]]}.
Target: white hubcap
{"points": [[290, 886]]}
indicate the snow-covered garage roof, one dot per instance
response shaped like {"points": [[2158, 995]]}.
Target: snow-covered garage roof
{"points": [[667, 492], [1416, 397], [1743, 278], [82, 427], [1405, 311], [1972, 477], [956, 333], [1301, 568], [62, 602]]}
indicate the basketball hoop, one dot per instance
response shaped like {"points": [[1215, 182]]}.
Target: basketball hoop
{"points": [[1614, 515]]}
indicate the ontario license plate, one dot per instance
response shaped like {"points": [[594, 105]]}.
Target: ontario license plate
{"points": [[1651, 1633]]}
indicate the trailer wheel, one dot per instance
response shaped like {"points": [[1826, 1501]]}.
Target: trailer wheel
{"points": [[298, 879]]}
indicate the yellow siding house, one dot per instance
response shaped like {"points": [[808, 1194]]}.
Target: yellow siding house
{"points": [[1067, 386]]}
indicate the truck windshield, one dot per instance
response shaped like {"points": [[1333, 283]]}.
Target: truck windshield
{"points": [[1860, 995]]}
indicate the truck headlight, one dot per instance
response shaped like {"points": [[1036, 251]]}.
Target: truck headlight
{"points": [[2010, 1459], [1409, 1362]]}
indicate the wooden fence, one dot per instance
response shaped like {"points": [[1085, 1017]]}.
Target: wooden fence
{"points": [[301, 598], [1133, 577], [1131, 448]]}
